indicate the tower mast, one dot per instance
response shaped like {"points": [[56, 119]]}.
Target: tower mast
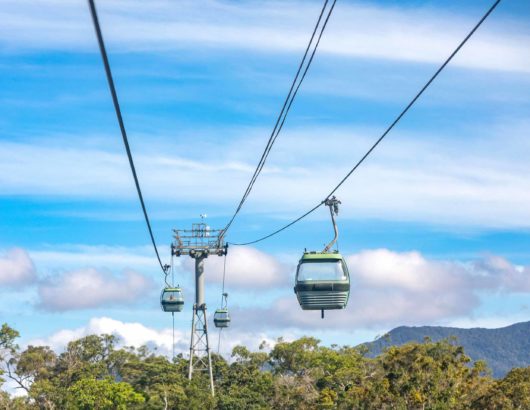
{"points": [[199, 243]]}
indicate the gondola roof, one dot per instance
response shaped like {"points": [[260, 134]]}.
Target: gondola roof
{"points": [[310, 256]]}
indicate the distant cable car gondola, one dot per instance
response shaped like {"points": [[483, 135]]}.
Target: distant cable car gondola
{"points": [[221, 317], [172, 300], [322, 278]]}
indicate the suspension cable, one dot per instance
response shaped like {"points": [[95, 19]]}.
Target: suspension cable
{"points": [[385, 133], [224, 276], [280, 229], [120, 122], [219, 341], [223, 300], [293, 91], [173, 338]]}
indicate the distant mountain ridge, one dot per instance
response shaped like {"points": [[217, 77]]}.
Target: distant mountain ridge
{"points": [[503, 348]]}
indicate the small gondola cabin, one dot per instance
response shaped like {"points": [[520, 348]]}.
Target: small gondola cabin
{"points": [[322, 281], [221, 318], [172, 300]]}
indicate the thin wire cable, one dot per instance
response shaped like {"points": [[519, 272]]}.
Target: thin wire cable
{"points": [[173, 343], [300, 83], [385, 133], [222, 300], [297, 88], [219, 341], [286, 106], [289, 100], [279, 230], [172, 271], [120, 121], [224, 275]]}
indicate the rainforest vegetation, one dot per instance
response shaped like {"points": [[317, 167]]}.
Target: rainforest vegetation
{"points": [[95, 373]]}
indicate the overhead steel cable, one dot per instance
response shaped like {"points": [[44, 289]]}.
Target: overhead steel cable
{"points": [[279, 128], [121, 124], [300, 83], [283, 228], [295, 86], [385, 133], [222, 300]]}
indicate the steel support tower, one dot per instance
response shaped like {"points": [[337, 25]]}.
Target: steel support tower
{"points": [[199, 243]]}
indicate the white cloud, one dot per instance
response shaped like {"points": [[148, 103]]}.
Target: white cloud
{"points": [[471, 178], [130, 334], [72, 256], [70, 166], [355, 30], [91, 288], [425, 35], [390, 289], [493, 321], [252, 340], [246, 267], [408, 271], [503, 275], [16, 268], [137, 334], [63, 172]]}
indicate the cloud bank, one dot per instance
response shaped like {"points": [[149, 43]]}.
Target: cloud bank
{"points": [[246, 267], [358, 30], [91, 288], [137, 334], [468, 179], [16, 268], [129, 333], [391, 288]]}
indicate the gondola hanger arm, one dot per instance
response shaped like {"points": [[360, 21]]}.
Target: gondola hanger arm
{"points": [[333, 204]]}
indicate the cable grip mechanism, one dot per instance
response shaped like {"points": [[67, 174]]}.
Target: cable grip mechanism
{"points": [[333, 204]]}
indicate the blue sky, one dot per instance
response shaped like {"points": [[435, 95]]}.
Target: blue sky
{"points": [[435, 224]]}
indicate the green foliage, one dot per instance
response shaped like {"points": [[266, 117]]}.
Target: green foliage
{"points": [[503, 349], [510, 393], [93, 373], [7, 340], [90, 393], [429, 375], [243, 384]]}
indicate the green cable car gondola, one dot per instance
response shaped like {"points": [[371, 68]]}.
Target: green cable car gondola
{"points": [[171, 299], [322, 281], [322, 278], [221, 317]]}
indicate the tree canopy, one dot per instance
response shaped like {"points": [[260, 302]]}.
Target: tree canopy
{"points": [[95, 373]]}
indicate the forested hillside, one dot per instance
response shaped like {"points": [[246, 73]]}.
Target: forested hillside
{"points": [[502, 349], [93, 373]]}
